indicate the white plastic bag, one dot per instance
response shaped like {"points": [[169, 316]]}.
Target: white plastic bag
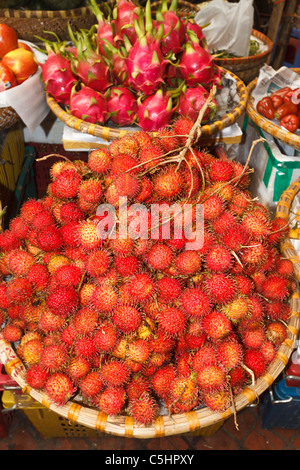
{"points": [[229, 25]]}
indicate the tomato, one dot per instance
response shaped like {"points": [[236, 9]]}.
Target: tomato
{"points": [[8, 39], [21, 62], [7, 78], [23, 45]]}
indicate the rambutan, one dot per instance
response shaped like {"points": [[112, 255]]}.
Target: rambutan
{"points": [[188, 262], [66, 184], [59, 388], [218, 258], [172, 320], [8, 241], [85, 320], [195, 302], [276, 333], [105, 338], [268, 350], [49, 239], [183, 392], [150, 156], [78, 368], [126, 265], [161, 342], [139, 350], [66, 276], [216, 324], [255, 361], [278, 231], [238, 378], [70, 212], [182, 127], [31, 351], [91, 384], [220, 170], [104, 298], [222, 223], [54, 357], [18, 228], [220, 287], [88, 237], [19, 262], [212, 205], [229, 353], [253, 337], [98, 262], [90, 191], [122, 163], [124, 185], [62, 300], [69, 233], [240, 202], [160, 256], [238, 309], [112, 400], [162, 380], [141, 287], [84, 346], [49, 321], [126, 318], [244, 283], [218, 400], [211, 377], [38, 275], [18, 291], [12, 332], [167, 183], [257, 227], [115, 372], [205, 355], [235, 237], [168, 289], [36, 376], [275, 287], [99, 161], [137, 385], [143, 409]]}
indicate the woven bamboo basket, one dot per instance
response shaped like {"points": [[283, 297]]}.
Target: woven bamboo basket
{"points": [[30, 24], [108, 133], [270, 127], [247, 68], [192, 421], [8, 117]]}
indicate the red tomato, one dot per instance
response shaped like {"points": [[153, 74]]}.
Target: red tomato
{"points": [[7, 78], [21, 62], [23, 45], [8, 39]]}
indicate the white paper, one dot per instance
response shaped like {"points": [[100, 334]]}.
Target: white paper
{"points": [[229, 25], [28, 99]]}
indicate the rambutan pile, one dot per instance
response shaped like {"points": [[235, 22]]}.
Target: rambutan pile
{"points": [[157, 318]]}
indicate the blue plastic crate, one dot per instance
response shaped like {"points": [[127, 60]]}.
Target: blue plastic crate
{"points": [[280, 407]]}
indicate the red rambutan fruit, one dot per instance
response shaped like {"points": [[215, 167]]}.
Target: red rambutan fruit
{"points": [[167, 183], [18, 227], [78, 368], [216, 324], [257, 227], [124, 185], [85, 320], [105, 337], [172, 320], [139, 350], [38, 275], [212, 205], [8, 241], [220, 170], [195, 302], [91, 384], [218, 400], [49, 239], [99, 161], [54, 357], [255, 361], [220, 287], [84, 346], [90, 191], [143, 409], [238, 378], [162, 380], [235, 237], [112, 400], [218, 258], [126, 265], [268, 350], [275, 287], [19, 262], [205, 355], [32, 351], [211, 377], [229, 354], [70, 212], [160, 256], [88, 237], [62, 300], [238, 309], [66, 276], [141, 287], [36, 376], [276, 333], [66, 184], [49, 321], [115, 372], [168, 289], [188, 262], [278, 231], [18, 291], [59, 388], [126, 318], [12, 332], [222, 223], [183, 392], [182, 127], [104, 298], [98, 262], [137, 385]]}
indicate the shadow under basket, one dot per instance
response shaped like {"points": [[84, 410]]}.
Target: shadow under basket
{"points": [[197, 420]]}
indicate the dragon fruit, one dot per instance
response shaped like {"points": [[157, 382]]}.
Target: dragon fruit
{"points": [[121, 105], [196, 64], [89, 105], [191, 25], [174, 28], [155, 111], [125, 13], [104, 27], [88, 64], [192, 100], [58, 77], [145, 62], [117, 59]]}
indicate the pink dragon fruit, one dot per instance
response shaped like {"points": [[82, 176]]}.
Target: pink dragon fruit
{"points": [[145, 62], [174, 28], [191, 25], [125, 13], [117, 60], [192, 100], [155, 111], [88, 64], [58, 77], [121, 105], [89, 105], [104, 27], [197, 65]]}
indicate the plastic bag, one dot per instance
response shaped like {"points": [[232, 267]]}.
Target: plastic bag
{"points": [[229, 26]]}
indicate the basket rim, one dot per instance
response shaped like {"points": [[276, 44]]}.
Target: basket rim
{"points": [[249, 59], [108, 133], [178, 423], [268, 126], [40, 14]]}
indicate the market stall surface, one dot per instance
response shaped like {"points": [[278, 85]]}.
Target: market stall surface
{"points": [[22, 435]]}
